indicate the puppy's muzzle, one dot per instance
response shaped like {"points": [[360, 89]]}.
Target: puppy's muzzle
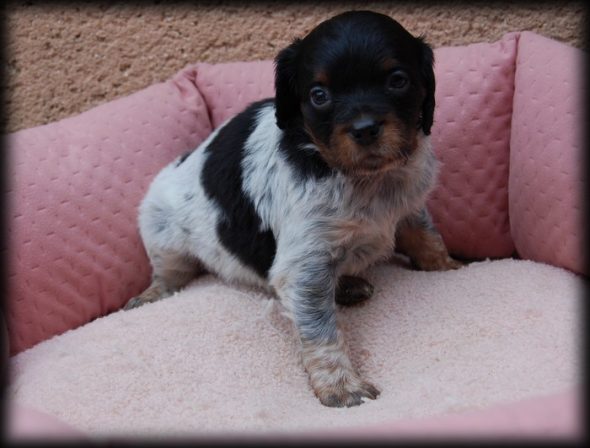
{"points": [[366, 130]]}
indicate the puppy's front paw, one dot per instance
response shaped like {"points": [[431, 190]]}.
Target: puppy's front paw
{"points": [[451, 263], [331, 375], [346, 392], [352, 290], [439, 262]]}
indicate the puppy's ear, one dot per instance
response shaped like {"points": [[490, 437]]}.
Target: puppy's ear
{"points": [[287, 95], [427, 74]]}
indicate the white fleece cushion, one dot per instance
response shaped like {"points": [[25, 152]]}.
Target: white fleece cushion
{"points": [[222, 359]]}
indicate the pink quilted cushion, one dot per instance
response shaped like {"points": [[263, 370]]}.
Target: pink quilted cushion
{"points": [[545, 170], [74, 187], [230, 87], [471, 136], [28, 424], [554, 416]]}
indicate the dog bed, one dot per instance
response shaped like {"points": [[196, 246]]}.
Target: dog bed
{"points": [[222, 360], [489, 349]]}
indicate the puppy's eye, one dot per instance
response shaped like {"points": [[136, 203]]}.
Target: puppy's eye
{"points": [[320, 97], [398, 81]]}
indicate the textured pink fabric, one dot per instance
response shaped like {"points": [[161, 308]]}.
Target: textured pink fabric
{"points": [[230, 87], [220, 358], [546, 158], [556, 416], [74, 187], [471, 136], [28, 424]]}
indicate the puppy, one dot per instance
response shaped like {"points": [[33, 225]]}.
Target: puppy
{"points": [[300, 194]]}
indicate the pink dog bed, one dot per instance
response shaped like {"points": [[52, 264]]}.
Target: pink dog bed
{"points": [[491, 349]]}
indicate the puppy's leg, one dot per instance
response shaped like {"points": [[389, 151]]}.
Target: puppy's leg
{"points": [[307, 288], [417, 238], [352, 290], [171, 272]]}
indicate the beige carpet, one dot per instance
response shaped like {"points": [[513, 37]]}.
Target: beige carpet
{"points": [[65, 57]]}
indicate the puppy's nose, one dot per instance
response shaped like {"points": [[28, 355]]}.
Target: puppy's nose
{"points": [[365, 130]]}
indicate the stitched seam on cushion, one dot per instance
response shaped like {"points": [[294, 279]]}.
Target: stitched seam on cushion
{"points": [[207, 105], [191, 73], [514, 66]]}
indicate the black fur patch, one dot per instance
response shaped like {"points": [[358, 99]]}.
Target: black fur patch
{"points": [[239, 229], [307, 162]]}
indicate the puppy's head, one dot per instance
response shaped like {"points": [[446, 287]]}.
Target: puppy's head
{"points": [[362, 87]]}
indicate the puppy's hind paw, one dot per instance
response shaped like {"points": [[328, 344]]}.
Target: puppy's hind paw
{"points": [[156, 291], [352, 290], [135, 302]]}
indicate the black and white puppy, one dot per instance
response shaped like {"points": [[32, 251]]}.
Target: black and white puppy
{"points": [[302, 193]]}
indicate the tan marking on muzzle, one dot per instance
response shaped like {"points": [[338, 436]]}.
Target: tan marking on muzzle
{"points": [[389, 148]]}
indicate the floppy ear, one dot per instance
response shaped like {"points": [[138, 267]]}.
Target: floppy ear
{"points": [[427, 73], [287, 95]]}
